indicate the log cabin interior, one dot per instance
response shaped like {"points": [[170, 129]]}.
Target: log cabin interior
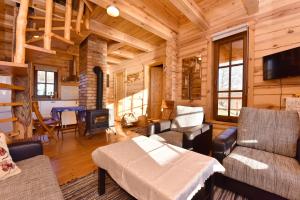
{"points": [[149, 99]]}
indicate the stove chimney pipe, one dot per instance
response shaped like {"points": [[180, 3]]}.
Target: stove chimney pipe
{"points": [[99, 98]]}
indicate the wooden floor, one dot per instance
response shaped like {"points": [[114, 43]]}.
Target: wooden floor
{"points": [[71, 157]]}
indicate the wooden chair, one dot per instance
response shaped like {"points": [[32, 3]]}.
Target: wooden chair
{"points": [[43, 125]]}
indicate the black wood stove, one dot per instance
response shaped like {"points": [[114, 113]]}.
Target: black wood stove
{"points": [[97, 120]]}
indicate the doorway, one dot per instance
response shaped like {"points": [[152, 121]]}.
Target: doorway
{"points": [[119, 95], [156, 91]]}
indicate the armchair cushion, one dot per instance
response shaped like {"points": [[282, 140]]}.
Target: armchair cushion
{"points": [[170, 137], [268, 171], [269, 130], [192, 132]]}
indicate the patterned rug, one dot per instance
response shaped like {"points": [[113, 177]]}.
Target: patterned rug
{"points": [[85, 188]]}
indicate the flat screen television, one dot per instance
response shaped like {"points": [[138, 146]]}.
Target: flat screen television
{"points": [[282, 64]]}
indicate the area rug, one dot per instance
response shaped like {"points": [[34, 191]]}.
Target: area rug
{"points": [[85, 188]]}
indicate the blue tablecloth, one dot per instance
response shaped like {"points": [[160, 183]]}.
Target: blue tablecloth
{"points": [[79, 109]]}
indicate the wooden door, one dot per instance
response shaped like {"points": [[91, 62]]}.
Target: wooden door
{"points": [[120, 95], [156, 91]]}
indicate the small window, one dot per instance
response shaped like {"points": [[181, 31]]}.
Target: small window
{"points": [[46, 84], [230, 73]]}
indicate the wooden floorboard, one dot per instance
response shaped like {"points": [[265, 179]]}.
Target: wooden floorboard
{"points": [[71, 157]]}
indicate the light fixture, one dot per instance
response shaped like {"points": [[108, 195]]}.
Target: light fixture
{"points": [[112, 11], [36, 36]]}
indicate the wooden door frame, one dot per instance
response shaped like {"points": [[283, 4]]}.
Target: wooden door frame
{"points": [[149, 82], [244, 36], [115, 91]]}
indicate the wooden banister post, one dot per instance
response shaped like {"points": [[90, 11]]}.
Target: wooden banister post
{"points": [[21, 32], [48, 24], [79, 16], [68, 18]]}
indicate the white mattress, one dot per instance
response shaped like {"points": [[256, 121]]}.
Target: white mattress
{"points": [[151, 170]]}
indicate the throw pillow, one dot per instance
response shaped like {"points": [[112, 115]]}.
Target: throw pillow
{"points": [[187, 116], [7, 166]]}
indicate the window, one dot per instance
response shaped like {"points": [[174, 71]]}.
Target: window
{"points": [[230, 71], [46, 83]]}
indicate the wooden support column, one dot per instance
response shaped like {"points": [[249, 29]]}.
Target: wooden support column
{"points": [[170, 68], [87, 19], [21, 32], [68, 18], [48, 24], [79, 16]]}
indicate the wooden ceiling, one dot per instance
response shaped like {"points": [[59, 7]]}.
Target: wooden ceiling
{"points": [[142, 25]]}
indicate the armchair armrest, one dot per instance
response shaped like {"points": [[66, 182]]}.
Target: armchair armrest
{"points": [[298, 150], [159, 126], [24, 150], [224, 143]]}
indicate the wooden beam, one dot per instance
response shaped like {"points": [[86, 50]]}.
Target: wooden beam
{"points": [[113, 60], [68, 18], [13, 69], [48, 24], [5, 120], [62, 39], [251, 6], [192, 11], [21, 32], [43, 18], [87, 19], [4, 86], [35, 39], [115, 46], [123, 54], [39, 49], [138, 17], [54, 28], [89, 5], [113, 34], [11, 104], [79, 16]]}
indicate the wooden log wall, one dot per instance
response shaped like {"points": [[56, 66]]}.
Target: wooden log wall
{"points": [[273, 29]]}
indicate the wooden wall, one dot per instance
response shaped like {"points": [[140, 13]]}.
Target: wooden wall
{"points": [[273, 29]]}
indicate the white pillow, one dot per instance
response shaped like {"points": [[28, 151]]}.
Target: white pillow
{"points": [[187, 116], [7, 166]]}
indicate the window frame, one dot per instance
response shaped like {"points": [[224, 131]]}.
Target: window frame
{"points": [[217, 44], [45, 97]]}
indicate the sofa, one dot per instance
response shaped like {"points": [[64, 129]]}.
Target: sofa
{"points": [[36, 181], [186, 130], [261, 155]]}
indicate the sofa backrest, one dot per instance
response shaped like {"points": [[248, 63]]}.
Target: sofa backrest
{"points": [[187, 116], [269, 130]]}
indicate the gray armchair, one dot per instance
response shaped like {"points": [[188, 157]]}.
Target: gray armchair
{"points": [[262, 155]]}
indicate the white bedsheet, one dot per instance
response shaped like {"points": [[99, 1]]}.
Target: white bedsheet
{"points": [[150, 170]]}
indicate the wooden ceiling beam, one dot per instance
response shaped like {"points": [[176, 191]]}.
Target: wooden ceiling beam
{"points": [[123, 54], [89, 5], [79, 16], [115, 46], [113, 60], [138, 17], [116, 35], [192, 11], [251, 6]]}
